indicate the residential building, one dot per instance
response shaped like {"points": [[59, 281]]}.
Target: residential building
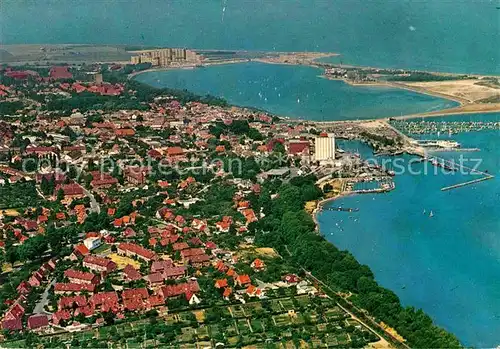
{"points": [[324, 148]]}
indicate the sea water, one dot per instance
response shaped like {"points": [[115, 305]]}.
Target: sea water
{"points": [[453, 36], [447, 263], [295, 91]]}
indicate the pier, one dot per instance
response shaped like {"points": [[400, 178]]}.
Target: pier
{"points": [[341, 209], [463, 184], [458, 150], [455, 167]]}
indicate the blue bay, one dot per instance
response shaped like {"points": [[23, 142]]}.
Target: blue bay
{"points": [[295, 91]]}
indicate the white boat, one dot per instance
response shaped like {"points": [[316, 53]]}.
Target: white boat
{"points": [[431, 214]]}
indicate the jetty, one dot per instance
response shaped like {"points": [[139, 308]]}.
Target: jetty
{"points": [[458, 150], [463, 184], [447, 164], [341, 209]]}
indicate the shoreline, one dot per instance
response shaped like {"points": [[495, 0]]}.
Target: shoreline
{"points": [[186, 67], [322, 203], [460, 101], [476, 109]]}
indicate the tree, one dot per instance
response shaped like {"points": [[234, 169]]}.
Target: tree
{"points": [[33, 248], [109, 318], [55, 239], [44, 185], [60, 195]]}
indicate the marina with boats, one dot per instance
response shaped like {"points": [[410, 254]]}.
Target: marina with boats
{"points": [[419, 127]]}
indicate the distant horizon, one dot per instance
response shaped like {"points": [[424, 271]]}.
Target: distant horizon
{"points": [[385, 34]]}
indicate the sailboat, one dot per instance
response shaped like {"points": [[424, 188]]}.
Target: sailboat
{"points": [[431, 214]]}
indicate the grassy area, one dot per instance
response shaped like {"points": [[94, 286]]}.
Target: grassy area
{"points": [[237, 311], [122, 261], [9, 213], [103, 249]]}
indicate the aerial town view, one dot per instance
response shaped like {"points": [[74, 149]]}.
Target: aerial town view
{"points": [[268, 174]]}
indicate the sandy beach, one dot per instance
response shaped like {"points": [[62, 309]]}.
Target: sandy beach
{"points": [[472, 90], [465, 109]]}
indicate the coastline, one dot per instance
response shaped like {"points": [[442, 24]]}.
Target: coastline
{"points": [[466, 109], [186, 67], [322, 203], [460, 101]]}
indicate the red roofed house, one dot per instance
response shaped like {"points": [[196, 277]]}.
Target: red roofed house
{"points": [[191, 252], [296, 147], [179, 246], [210, 245], [71, 302], [105, 301], [124, 132], [23, 288], [243, 280], [131, 274], [79, 251], [155, 279], [221, 283], [249, 215], [180, 220], [198, 261], [12, 324], [257, 264], [156, 300], [99, 264], [37, 321], [227, 292], [61, 288], [36, 279], [129, 233], [71, 191], [177, 290], [291, 278], [136, 175], [175, 151], [131, 249], [61, 315], [161, 265], [223, 227], [60, 72], [15, 312], [80, 277], [134, 299], [198, 224], [174, 273], [103, 183]]}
